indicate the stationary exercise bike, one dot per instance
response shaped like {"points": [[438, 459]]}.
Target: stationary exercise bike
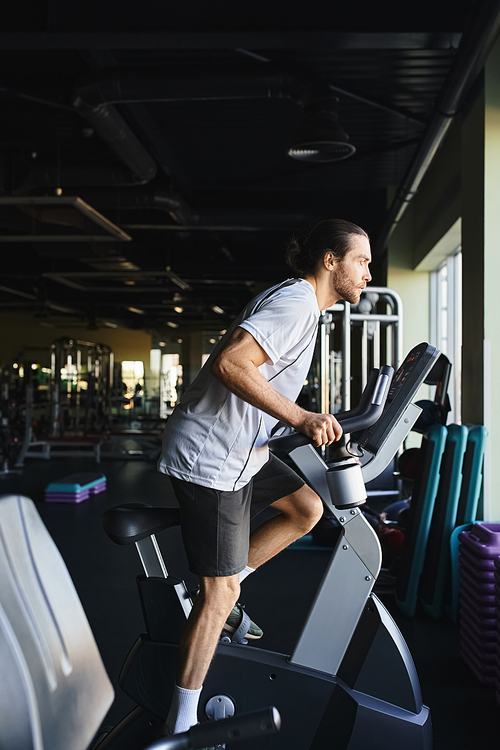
{"points": [[350, 683]]}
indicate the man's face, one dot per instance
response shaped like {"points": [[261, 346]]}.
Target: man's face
{"points": [[351, 275]]}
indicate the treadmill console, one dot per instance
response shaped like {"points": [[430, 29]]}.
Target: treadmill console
{"points": [[404, 386]]}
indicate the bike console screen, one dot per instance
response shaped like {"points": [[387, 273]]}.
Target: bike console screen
{"points": [[404, 386]]}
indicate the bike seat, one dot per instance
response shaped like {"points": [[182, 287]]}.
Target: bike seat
{"points": [[131, 522]]}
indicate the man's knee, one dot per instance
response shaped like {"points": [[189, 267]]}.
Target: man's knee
{"points": [[304, 507], [314, 507], [220, 593]]}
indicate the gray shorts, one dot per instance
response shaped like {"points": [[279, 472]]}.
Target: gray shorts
{"points": [[216, 524]]}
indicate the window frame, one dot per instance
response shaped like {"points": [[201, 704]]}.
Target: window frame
{"points": [[447, 334]]}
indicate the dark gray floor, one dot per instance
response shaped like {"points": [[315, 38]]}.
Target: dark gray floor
{"points": [[465, 714]]}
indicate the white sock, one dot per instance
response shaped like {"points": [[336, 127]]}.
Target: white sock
{"points": [[246, 572], [183, 712]]}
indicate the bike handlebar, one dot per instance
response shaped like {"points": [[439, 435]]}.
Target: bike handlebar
{"points": [[366, 413], [249, 725]]}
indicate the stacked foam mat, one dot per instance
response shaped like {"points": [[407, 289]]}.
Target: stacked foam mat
{"points": [[497, 602], [75, 488], [479, 552]]}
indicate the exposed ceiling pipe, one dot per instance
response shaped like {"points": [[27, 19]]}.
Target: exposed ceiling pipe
{"points": [[75, 177], [145, 198], [169, 201], [470, 58], [194, 83], [114, 131], [95, 100]]}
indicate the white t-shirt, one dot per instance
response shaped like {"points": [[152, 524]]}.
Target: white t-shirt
{"points": [[214, 438]]}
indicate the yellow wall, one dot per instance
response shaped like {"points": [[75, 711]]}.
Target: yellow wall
{"points": [[412, 286], [20, 332]]}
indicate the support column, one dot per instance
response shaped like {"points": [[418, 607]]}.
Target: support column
{"points": [[481, 273], [491, 396], [192, 350], [473, 252]]}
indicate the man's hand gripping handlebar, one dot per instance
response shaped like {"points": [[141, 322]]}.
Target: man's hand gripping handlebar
{"points": [[324, 429], [321, 429]]}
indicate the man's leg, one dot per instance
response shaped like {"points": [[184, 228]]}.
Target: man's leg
{"points": [[198, 642], [215, 528], [298, 513], [202, 631]]}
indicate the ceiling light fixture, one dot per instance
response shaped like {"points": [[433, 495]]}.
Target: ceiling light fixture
{"points": [[217, 309], [320, 137], [60, 308], [46, 209], [171, 324], [136, 310], [178, 309]]}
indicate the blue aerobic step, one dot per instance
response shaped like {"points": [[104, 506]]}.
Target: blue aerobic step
{"points": [[75, 488]]}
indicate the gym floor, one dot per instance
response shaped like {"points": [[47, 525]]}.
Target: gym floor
{"points": [[465, 714]]}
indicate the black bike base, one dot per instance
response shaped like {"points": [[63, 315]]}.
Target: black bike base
{"points": [[318, 711]]}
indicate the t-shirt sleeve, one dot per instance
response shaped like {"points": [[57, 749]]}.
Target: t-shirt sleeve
{"points": [[281, 324]]}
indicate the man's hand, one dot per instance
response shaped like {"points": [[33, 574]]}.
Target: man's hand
{"points": [[323, 429]]}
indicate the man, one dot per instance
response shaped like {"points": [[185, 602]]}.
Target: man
{"points": [[215, 446]]}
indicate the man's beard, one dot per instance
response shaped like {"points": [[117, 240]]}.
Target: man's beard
{"points": [[346, 287]]}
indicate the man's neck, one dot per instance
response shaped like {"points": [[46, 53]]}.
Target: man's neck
{"points": [[325, 295]]}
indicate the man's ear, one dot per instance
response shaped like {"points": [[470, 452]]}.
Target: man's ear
{"points": [[329, 260]]}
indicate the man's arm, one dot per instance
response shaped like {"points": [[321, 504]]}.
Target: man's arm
{"points": [[236, 367]]}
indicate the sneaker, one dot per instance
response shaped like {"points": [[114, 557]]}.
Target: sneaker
{"points": [[234, 620]]}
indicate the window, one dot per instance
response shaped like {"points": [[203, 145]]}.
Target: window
{"points": [[446, 323], [132, 377]]}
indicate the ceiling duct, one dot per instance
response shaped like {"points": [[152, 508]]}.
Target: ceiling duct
{"points": [[114, 131], [195, 83]]}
